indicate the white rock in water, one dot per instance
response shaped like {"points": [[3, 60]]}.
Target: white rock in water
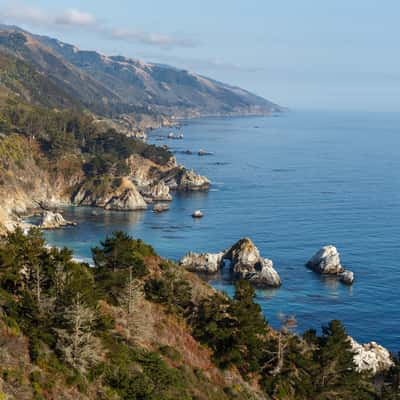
{"points": [[347, 277], [197, 214], [52, 220], [326, 261], [267, 276], [208, 263], [129, 200], [371, 357]]}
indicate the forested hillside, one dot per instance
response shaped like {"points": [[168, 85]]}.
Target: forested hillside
{"points": [[136, 326]]}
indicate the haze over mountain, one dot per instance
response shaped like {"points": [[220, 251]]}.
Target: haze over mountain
{"points": [[107, 84]]}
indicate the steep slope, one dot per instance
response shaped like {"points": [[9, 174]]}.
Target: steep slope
{"points": [[22, 80], [120, 85], [57, 71], [162, 87]]}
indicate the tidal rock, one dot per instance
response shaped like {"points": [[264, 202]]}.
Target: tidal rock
{"points": [[53, 220], [246, 262], [326, 261], [129, 200], [347, 277], [371, 357], [190, 181], [197, 214], [207, 263], [160, 207]]}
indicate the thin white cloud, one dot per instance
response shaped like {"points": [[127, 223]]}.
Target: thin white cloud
{"points": [[24, 14], [75, 17], [150, 38], [20, 13]]}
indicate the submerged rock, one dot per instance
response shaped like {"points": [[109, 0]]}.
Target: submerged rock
{"points": [[160, 207], [207, 263], [371, 357], [326, 261], [53, 220]]}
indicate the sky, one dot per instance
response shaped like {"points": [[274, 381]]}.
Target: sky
{"points": [[302, 54]]}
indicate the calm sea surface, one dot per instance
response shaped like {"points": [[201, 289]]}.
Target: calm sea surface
{"points": [[291, 183]]}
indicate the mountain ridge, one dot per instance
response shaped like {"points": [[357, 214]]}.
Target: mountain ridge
{"points": [[124, 84]]}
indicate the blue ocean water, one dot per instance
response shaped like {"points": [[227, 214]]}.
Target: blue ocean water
{"points": [[292, 183]]}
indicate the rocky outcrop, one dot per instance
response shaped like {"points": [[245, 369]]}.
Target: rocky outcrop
{"points": [[371, 357], [112, 194], [245, 263], [326, 261], [129, 200], [157, 192], [152, 178], [190, 181], [207, 263], [53, 220]]}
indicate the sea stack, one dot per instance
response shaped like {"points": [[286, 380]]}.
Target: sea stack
{"points": [[54, 220], [245, 263], [326, 261]]}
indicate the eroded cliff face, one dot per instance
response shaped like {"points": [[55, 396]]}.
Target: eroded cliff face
{"points": [[26, 179]]}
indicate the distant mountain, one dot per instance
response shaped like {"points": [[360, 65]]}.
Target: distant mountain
{"points": [[120, 84]]}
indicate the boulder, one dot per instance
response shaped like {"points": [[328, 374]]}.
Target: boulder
{"points": [[247, 263], [371, 357], [326, 261], [347, 277], [53, 220], [207, 263], [197, 214], [190, 181], [128, 200], [267, 276]]}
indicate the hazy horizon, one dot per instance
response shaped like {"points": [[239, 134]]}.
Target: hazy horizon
{"points": [[302, 56]]}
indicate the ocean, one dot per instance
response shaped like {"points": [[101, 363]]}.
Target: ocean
{"points": [[292, 183]]}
